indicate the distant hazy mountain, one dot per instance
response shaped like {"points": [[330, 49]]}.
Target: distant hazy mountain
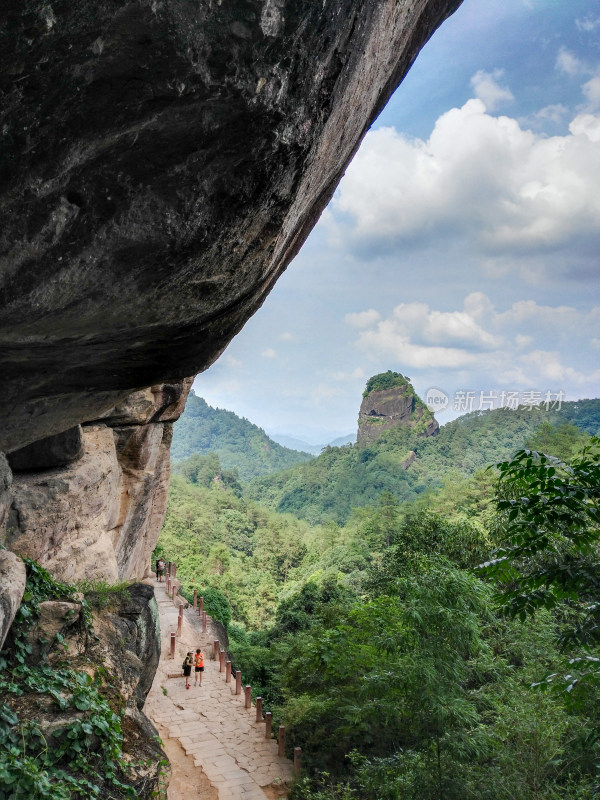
{"points": [[238, 443], [306, 447], [350, 438]]}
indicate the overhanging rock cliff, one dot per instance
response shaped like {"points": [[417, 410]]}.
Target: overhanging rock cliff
{"points": [[162, 162]]}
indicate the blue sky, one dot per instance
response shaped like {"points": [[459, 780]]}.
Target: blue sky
{"points": [[462, 246]]}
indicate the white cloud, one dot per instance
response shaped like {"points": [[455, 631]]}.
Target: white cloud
{"points": [[288, 337], [363, 318], [507, 189], [508, 346], [489, 91], [356, 374], [555, 113], [591, 91], [269, 353], [586, 125], [569, 63], [587, 24], [231, 361], [523, 341]]}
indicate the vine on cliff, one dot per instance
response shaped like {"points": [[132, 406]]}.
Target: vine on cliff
{"points": [[74, 758]]}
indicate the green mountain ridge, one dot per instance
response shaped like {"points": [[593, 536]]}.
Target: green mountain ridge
{"points": [[240, 444], [344, 478]]}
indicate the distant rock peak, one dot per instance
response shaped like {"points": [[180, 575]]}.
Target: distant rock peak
{"points": [[389, 401]]}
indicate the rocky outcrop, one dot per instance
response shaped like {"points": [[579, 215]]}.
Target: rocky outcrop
{"points": [[12, 587], [162, 163], [99, 517], [128, 643], [57, 617], [121, 654], [397, 405]]}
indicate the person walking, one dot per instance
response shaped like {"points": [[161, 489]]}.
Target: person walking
{"points": [[187, 668], [160, 569], [198, 666]]}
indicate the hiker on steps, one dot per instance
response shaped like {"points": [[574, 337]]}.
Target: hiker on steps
{"points": [[198, 666], [187, 668]]}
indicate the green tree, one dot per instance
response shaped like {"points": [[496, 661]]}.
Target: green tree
{"points": [[549, 514]]}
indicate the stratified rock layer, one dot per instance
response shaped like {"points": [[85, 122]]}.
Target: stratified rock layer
{"points": [[99, 517], [161, 164]]}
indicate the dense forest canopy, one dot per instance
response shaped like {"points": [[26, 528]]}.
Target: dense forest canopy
{"points": [[349, 477], [368, 627]]}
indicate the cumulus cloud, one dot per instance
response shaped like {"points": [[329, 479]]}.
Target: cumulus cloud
{"points": [[231, 361], [288, 337], [489, 91], [363, 319], [508, 189], [591, 90], [269, 353], [508, 346], [554, 113]]}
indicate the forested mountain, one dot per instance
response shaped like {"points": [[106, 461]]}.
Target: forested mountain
{"points": [[344, 478], [239, 444], [382, 649]]}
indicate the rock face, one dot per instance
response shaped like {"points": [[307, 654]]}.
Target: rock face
{"points": [[122, 656], [99, 517], [12, 587], [382, 409], [129, 643], [161, 164]]}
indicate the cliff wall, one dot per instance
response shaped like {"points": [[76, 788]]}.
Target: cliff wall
{"points": [[161, 163], [99, 515]]}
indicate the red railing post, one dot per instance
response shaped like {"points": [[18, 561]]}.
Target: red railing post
{"points": [[179, 620], [247, 697], [221, 660], [297, 760], [268, 724], [238, 681], [204, 622], [228, 672], [281, 741], [259, 716], [173, 645], [174, 569], [201, 604], [215, 649], [195, 598]]}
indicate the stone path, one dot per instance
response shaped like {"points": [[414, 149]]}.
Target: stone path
{"points": [[211, 722]]}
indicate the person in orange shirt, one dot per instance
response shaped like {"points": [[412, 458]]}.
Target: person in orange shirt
{"points": [[198, 666]]}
